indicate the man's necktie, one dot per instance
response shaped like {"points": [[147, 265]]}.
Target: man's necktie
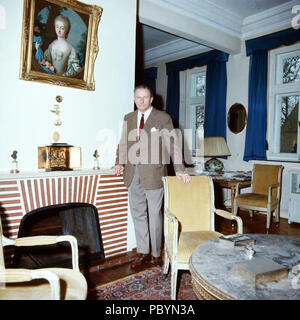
{"points": [[141, 124]]}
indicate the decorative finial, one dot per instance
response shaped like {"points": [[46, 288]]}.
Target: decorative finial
{"points": [[14, 163], [59, 99], [96, 160], [57, 122], [14, 155]]}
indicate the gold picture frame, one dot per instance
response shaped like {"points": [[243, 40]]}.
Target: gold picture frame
{"points": [[60, 42]]}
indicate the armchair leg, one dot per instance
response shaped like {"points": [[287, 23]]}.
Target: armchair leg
{"points": [[277, 217], [166, 264], [235, 212], [251, 216], [173, 282], [268, 220]]}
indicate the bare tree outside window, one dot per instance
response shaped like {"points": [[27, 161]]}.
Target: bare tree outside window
{"points": [[291, 69], [289, 123]]}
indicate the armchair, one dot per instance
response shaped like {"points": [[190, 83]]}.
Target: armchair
{"points": [[265, 195], [188, 221], [41, 284]]}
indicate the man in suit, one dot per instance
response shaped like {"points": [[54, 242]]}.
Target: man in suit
{"points": [[146, 144]]}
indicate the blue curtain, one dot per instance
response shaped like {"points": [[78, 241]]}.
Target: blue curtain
{"points": [[173, 95], [216, 82], [257, 49], [215, 100], [255, 145], [150, 76]]}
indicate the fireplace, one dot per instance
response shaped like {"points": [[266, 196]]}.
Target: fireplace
{"points": [[21, 193], [77, 219]]}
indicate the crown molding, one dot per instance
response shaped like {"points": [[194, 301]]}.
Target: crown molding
{"points": [[171, 50], [268, 21], [207, 12], [264, 22], [228, 22]]}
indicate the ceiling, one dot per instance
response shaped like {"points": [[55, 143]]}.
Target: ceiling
{"points": [[239, 9], [245, 8]]}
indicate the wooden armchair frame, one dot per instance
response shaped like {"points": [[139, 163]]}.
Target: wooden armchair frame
{"points": [[171, 251], [269, 207], [52, 275]]}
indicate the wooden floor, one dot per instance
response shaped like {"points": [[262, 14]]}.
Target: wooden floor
{"points": [[224, 226]]}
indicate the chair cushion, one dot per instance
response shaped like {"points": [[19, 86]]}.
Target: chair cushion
{"points": [[189, 241], [255, 200]]}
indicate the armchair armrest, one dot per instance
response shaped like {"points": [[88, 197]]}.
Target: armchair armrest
{"points": [[171, 218], [237, 188], [230, 216], [46, 240], [23, 275], [270, 187]]}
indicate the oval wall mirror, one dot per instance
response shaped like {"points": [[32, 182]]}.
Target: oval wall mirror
{"points": [[237, 118]]}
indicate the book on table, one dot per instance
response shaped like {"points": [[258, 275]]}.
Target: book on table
{"points": [[236, 239], [260, 270]]}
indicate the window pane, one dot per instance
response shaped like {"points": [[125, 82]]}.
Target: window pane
{"points": [[199, 117], [198, 85], [199, 125], [288, 67], [291, 69], [288, 106]]}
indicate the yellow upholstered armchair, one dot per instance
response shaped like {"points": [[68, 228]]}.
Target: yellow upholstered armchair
{"points": [[45, 283], [265, 194], [188, 221]]}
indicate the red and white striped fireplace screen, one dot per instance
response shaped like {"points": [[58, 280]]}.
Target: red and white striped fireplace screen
{"points": [[107, 192]]}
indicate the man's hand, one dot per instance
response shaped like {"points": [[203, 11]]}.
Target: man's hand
{"points": [[118, 169], [184, 176]]}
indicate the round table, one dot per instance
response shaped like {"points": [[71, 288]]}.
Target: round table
{"points": [[213, 275]]}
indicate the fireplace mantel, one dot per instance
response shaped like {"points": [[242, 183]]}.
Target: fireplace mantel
{"points": [[42, 173], [26, 191]]}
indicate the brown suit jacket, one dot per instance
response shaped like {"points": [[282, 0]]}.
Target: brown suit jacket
{"points": [[152, 151]]}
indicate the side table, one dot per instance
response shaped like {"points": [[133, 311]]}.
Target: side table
{"points": [[230, 183]]}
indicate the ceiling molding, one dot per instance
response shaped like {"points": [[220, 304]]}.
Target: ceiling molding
{"points": [[170, 19], [171, 50], [268, 20], [207, 13]]}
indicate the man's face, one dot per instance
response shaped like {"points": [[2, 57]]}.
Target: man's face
{"points": [[142, 99]]}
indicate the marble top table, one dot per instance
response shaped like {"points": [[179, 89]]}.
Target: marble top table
{"points": [[213, 275]]}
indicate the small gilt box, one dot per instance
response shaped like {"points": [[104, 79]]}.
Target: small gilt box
{"points": [[59, 156]]}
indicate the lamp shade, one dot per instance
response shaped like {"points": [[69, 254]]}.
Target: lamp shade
{"points": [[215, 147]]}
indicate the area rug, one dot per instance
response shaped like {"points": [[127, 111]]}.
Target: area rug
{"points": [[146, 285]]}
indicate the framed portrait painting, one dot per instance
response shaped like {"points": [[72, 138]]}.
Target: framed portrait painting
{"points": [[60, 42]]}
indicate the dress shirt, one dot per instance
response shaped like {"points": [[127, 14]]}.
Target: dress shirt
{"points": [[146, 115]]}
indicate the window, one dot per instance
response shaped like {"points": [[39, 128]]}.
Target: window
{"points": [[283, 104], [192, 106]]}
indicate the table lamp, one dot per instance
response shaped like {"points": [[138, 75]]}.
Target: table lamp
{"points": [[215, 147]]}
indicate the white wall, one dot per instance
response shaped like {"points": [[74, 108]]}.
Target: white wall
{"points": [[25, 118]]}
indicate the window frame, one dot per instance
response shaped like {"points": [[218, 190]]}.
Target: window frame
{"points": [[274, 91], [186, 121]]}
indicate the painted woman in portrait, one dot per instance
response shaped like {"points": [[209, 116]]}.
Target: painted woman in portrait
{"points": [[60, 57]]}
